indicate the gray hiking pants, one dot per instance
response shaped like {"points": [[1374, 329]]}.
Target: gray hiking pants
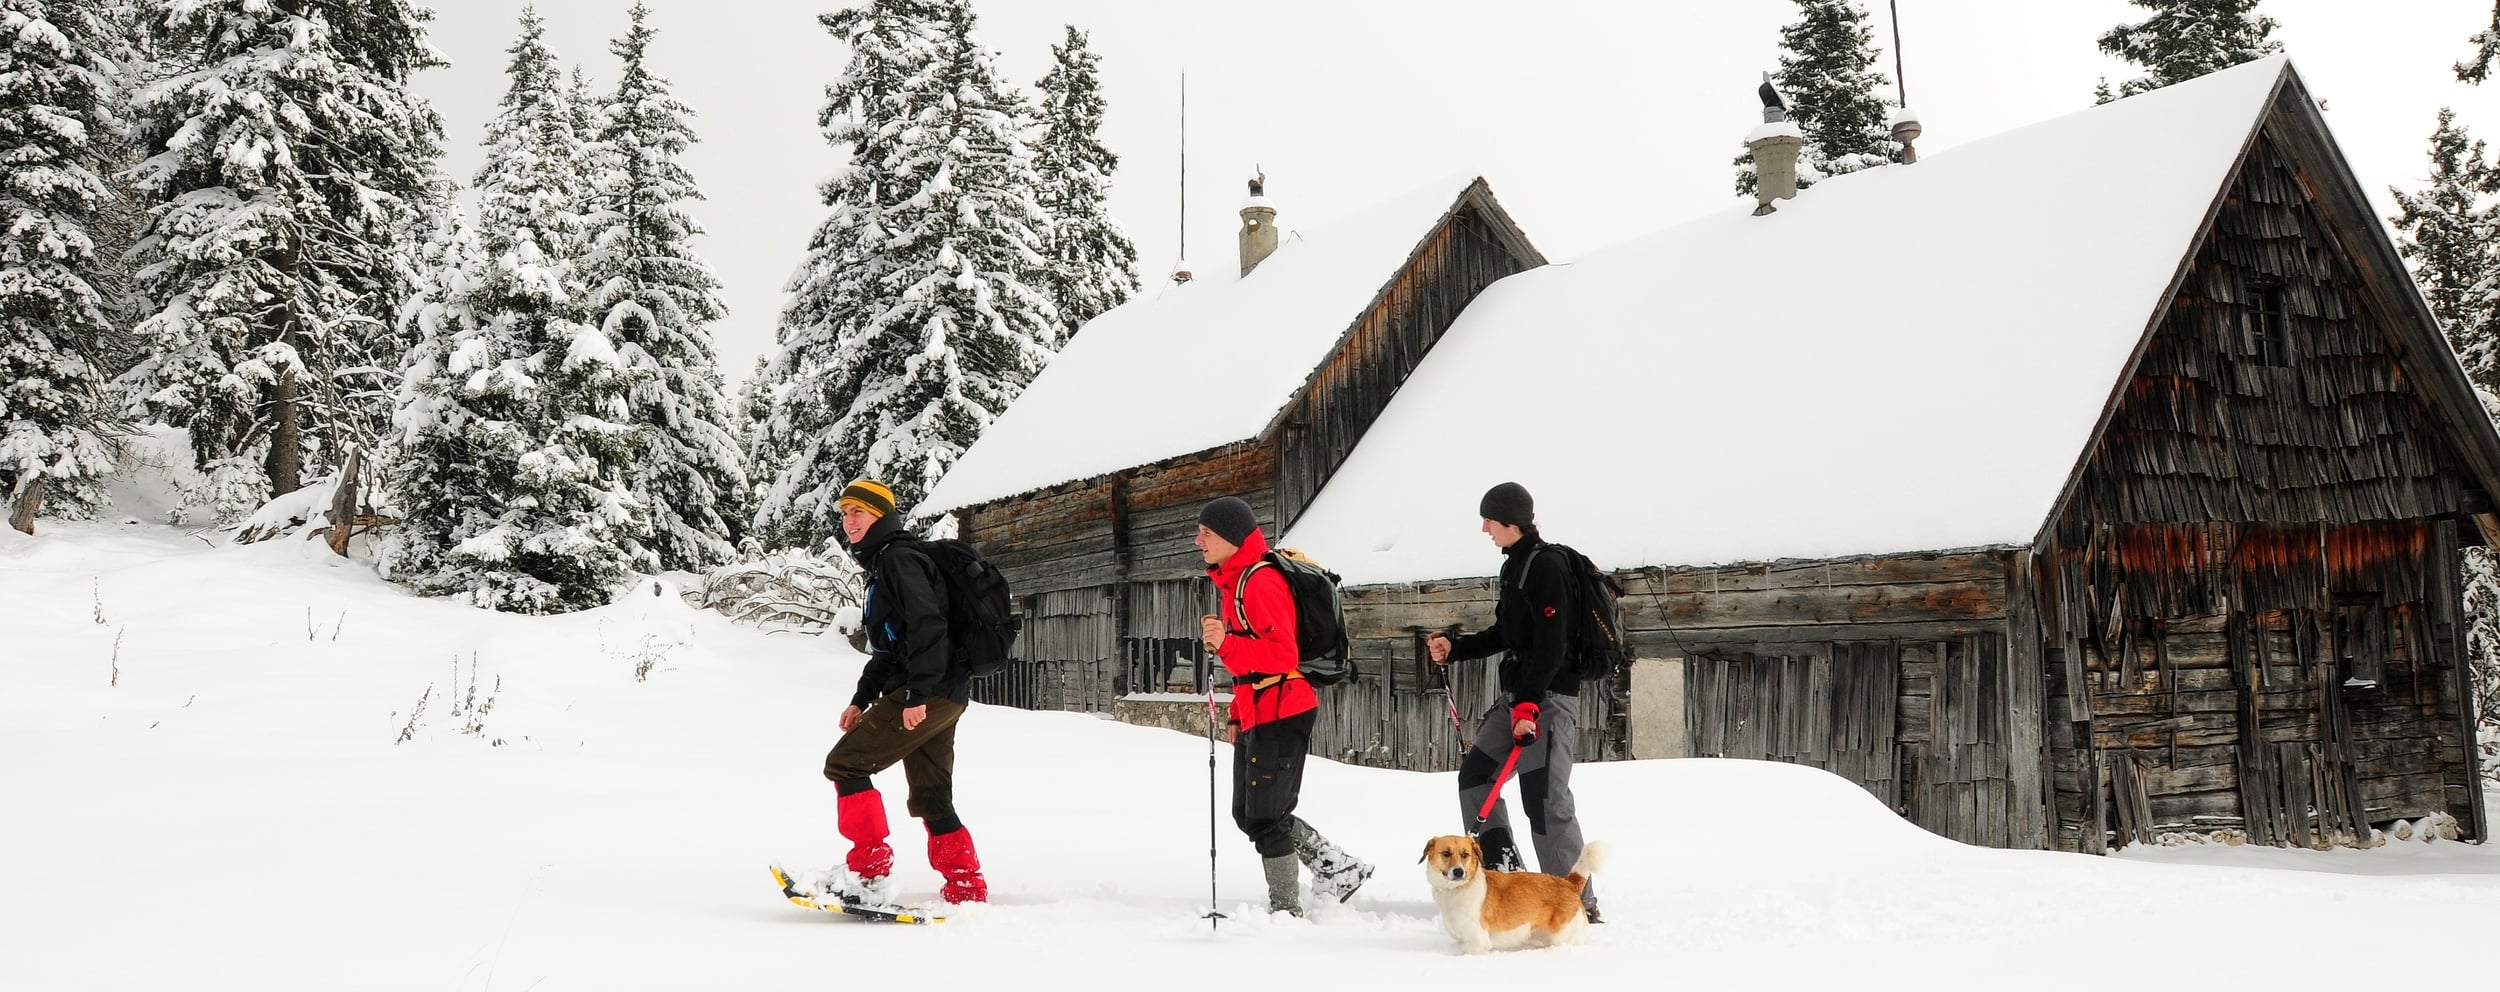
{"points": [[1544, 776]]}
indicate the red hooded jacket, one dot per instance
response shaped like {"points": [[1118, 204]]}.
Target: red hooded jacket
{"points": [[1267, 650]]}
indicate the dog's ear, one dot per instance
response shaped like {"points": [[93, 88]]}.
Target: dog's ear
{"points": [[1475, 848], [1427, 855]]}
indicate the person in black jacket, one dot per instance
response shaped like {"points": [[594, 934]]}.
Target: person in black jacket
{"points": [[1539, 711], [911, 693]]}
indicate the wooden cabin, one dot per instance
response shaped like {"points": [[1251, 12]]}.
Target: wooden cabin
{"points": [[2092, 483], [1086, 491]]}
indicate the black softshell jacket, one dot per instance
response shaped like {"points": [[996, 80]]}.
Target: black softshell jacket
{"points": [[906, 621], [1530, 626]]}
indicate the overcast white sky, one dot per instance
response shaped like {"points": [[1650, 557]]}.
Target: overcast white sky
{"points": [[1595, 121]]}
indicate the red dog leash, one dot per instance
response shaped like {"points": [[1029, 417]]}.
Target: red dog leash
{"points": [[1496, 795]]}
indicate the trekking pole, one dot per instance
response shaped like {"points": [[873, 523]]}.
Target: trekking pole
{"points": [[1449, 689], [1212, 914]]}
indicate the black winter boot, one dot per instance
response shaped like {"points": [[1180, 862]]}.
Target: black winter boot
{"points": [[1500, 852]]}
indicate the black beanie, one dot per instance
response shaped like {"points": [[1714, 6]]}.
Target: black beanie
{"points": [[1508, 503], [1229, 518]]}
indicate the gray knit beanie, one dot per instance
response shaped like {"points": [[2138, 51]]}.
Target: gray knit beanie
{"points": [[1508, 503], [1230, 519]]}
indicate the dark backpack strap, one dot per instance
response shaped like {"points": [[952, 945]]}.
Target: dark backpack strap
{"points": [[1530, 563]]}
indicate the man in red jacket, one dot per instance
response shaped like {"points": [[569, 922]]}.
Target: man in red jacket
{"points": [[1273, 712]]}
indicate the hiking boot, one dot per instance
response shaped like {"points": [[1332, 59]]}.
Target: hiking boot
{"points": [[1284, 884], [1338, 885], [1334, 873], [1500, 853], [865, 892]]}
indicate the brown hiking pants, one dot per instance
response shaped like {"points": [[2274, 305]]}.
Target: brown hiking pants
{"points": [[927, 752]]}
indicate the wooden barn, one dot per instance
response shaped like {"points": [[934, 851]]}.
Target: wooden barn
{"points": [[2076, 486], [1086, 491]]}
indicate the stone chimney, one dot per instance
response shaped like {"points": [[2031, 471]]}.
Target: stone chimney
{"points": [[1905, 129], [1258, 225], [1774, 146]]}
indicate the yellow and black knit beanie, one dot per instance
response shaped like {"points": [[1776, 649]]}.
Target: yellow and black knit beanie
{"points": [[869, 495]]}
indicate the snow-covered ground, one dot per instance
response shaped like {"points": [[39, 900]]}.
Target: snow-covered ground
{"points": [[204, 785]]}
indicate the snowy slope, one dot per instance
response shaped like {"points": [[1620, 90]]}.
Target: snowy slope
{"points": [[235, 813], [1180, 369], [1903, 359]]}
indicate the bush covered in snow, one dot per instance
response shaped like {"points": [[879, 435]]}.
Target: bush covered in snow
{"points": [[785, 590]]}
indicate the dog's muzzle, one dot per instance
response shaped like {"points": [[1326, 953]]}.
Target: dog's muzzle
{"points": [[1458, 874]]}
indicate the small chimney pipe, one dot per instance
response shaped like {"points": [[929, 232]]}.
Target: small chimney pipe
{"points": [[1774, 146], [1258, 225]]}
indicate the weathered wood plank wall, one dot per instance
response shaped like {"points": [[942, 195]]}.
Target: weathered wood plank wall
{"points": [[1891, 672], [2247, 607]]}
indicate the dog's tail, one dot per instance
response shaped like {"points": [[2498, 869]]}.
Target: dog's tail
{"points": [[1592, 860]]}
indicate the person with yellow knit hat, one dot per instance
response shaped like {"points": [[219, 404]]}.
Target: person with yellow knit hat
{"points": [[910, 695]]}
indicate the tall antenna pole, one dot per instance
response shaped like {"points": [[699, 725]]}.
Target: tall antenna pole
{"points": [[1900, 79], [1182, 274]]}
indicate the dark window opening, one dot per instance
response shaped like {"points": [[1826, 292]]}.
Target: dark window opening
{"points": [[2265, 329]]}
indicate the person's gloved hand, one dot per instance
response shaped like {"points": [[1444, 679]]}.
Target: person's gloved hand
{"points": [[1523, 723]]}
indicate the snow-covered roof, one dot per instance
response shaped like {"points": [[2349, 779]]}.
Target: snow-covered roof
{"points": [[1185, 368], [1903, 359]]}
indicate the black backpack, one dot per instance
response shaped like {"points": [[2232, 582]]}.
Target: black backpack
{"points": [[981, 623], [1596, 644], [1318, 613]]}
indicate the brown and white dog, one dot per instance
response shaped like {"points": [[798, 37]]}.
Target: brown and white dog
{"points": [[1498, 910]]}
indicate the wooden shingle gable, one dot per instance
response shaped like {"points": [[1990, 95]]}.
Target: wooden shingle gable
{"points": [[2293, 131], [1471, 245]]}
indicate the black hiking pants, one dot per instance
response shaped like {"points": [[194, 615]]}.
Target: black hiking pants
{"points": [[1267, 780]]}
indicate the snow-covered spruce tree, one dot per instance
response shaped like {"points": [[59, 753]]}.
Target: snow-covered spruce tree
{"points": [[2447, 231], [755, 410], [56, 109], [922, 308], [286, 162], [657, 299], [511, 445], [1827, 73], [1093, 265], [2185, 39], [2486, 49], [2482, 567]]}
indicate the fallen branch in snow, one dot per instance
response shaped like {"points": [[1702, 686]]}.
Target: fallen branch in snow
{"points": [[117, 657]]}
